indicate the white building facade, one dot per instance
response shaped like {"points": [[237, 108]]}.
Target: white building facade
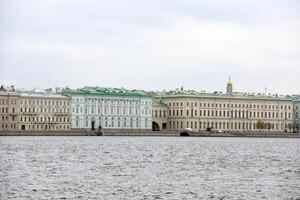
{"points": [[110, 108], [297, 115]]}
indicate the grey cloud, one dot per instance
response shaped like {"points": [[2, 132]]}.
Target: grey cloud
{"points": [[151, 45]]}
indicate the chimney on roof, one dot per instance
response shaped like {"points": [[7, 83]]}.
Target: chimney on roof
{"points": [[57, 90], [2, 89], [48, 90]]}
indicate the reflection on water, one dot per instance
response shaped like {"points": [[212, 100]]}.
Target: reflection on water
{"points": [[149, 168]]}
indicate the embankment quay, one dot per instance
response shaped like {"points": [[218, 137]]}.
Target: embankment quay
{"points": [[156, 134]]}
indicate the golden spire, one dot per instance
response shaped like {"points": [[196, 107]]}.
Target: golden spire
{"points": [[229, 81], [229, 88]]}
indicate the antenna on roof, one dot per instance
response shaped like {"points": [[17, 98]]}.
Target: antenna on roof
{"points": [[265, 90], [48, 80], [181, 88]]}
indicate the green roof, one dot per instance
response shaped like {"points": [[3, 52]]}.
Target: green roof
{"points": [[296, 97], [106, 91], [234, 95]]}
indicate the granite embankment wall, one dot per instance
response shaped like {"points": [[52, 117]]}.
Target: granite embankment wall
{"points": [[248, 134], [90, 133], [152, 133]]}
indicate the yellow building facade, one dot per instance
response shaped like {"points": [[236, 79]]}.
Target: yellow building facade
{"points": [[227, 113], [230, 112], [9, 110], [160, 116], [44, 112]]}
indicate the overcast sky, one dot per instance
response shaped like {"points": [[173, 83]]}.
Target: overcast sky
{"points": [[151, 45]]}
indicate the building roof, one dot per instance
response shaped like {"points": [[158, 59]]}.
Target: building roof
{"points": [[234, 95], [106, 91], [158, 103], [42, 95], [8, 93], [296, 97]]}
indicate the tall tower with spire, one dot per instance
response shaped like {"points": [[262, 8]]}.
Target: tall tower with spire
{"points": [[229, 86]]}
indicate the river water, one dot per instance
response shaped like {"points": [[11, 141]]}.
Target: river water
{"points": [[149, 168]]}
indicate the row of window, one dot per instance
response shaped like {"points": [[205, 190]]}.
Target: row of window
{"points": [[44, 110], [8, 118], [203, 125], [114, 106], [159, 113], [232, 114], [6, 110], [111, 111], [45, 119], [216, 105], [114, 101], [6, 101], [119, 102], [8, 126], [132, 123], [113, 118], [45, 102], [44, 127]]}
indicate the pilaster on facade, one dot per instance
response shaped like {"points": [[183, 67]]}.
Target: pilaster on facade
{"points": [[110, 108], [228, 113], [9, 110], [41, 112]]}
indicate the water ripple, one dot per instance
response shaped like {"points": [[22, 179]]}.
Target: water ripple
{"points": [[149, 168]]}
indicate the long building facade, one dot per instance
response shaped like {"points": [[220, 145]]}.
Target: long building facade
{"points": [[226, 112], [44, 112], [115, 108], [110, 108]]}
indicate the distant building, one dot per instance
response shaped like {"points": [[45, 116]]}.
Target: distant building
{"points": [[227, 112], [110, 108], [297, 115], [44, 112], [9, 110]]}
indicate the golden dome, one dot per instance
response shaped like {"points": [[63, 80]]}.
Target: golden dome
{"points": [[229, 82]]}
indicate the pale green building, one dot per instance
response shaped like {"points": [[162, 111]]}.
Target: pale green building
{"points": [[297, 114], [110, 108]]}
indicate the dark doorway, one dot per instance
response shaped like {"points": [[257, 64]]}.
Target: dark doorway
{"points": [[93, 125], [23, 127], [164, 126], [155, 126], [296, 129], [209, 129]]}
